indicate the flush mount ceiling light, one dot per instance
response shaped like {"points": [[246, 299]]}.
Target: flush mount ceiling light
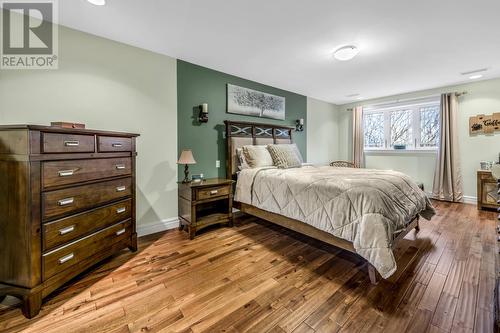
{"points": [[474, 75], [97, 2], [346, 53]]}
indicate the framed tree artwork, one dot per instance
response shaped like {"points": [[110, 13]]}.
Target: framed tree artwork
{"points": [[254, 103]]}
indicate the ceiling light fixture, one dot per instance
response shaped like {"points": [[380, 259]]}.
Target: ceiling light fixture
{"points": [[475, 77], [346, 53], [97, 2], [474, 71]]}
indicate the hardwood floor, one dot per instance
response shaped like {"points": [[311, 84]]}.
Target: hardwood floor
{"points": [[260, 278]]}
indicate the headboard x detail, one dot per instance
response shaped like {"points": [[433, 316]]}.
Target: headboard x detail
{"points": [[239, 134]]}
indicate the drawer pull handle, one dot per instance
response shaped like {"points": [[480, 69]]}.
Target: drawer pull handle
{"points": [[120, 188], [120, 232], [65, 202], [66, 258], [116, 145], [66, 173], [71, 143], [66, 230], [121, 210], [120, 167], [214, 192]]}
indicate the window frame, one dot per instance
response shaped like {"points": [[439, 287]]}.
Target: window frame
{"points": [[415, 108]]}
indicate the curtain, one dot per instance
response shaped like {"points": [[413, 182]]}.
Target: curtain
{"points": [[358, 137], [448, 176]]}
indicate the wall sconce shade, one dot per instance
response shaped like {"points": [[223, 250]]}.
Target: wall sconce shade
{"points": [[186, 158], [203, 116], [299, 127]]}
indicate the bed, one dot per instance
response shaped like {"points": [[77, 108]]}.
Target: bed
{"points": [[363, 211]]}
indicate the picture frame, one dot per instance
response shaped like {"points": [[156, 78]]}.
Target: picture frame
{"points": [[249, 102]]}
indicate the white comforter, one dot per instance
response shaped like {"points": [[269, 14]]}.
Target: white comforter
{"points": [[366, 207]]}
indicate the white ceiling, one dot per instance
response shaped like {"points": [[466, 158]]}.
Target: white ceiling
{"points": [[405, 45]]}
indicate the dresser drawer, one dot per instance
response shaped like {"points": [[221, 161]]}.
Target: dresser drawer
{"points": [[67, 143], [76, 171], [108, 144], [68, 229], [60, 259], [211, 192], [78, 198]]}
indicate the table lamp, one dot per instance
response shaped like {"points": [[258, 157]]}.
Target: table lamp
{"points": [[186, 158]]}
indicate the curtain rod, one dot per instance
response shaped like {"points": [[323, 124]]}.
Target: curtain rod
{"points": [[458, 94]]}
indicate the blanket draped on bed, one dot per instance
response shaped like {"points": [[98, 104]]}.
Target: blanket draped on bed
{"points": [[365, 207]]}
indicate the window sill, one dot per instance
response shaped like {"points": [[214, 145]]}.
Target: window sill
{"points": [[401, 151]]}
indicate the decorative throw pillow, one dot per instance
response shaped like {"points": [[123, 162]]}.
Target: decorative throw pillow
{"points": [[242, 162], [285, 156], [257, 156]]}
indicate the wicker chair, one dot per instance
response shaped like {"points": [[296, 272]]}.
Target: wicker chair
{"points": [[342, 164]]}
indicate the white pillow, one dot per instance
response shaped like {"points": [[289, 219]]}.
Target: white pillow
{"points": [[257, 156], [297, 151]]}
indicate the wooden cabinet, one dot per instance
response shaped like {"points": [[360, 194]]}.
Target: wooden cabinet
{"points": [[67, 201], [205, 203], [487, 192]]}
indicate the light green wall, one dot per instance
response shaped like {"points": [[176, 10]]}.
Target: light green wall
{"points": [[197, 85], [323, 135], [419, 166], [483, 98], [109, 86]]}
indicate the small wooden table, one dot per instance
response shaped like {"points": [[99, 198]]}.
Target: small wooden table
{"points": [[486, 190], [205, 203]]}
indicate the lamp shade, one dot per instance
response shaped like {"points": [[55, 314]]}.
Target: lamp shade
{"points": [[186, 157]]}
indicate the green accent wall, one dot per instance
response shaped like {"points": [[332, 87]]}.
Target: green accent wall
{"points": [[197, 85]]}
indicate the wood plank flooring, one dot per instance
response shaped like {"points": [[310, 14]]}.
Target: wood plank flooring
{"points": [[260, 278]]}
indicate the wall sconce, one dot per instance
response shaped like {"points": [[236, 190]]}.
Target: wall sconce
{"points": [[203, 116], [299, 127]]}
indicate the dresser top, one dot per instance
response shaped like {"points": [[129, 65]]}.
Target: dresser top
{"points": [[55, 129]]}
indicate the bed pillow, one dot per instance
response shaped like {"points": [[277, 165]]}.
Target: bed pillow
{"points": [[242, 161], [297, 151], [285, 156], [257, 156]]}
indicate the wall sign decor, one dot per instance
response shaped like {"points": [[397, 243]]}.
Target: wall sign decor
{"points": [[483, 124], [254, 103]]}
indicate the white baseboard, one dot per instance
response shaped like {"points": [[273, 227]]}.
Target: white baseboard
{"points": [[152, 228], [467, 199], [470, 200]]}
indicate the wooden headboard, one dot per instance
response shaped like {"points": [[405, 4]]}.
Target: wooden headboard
{"points": [[240, 133]]}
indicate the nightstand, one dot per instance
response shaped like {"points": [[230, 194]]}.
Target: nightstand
{"points": [[205, 203], [486, 190]]}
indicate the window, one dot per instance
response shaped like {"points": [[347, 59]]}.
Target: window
{"points": [[414, 127]]}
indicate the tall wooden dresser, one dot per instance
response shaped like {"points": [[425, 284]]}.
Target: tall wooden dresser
{"points": [[67, 201]]}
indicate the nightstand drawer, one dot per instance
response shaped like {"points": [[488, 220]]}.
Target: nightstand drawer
{"points": [[212, 192]]}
